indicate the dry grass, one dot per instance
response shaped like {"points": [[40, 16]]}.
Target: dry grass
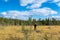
{"points": [[42, 33]]}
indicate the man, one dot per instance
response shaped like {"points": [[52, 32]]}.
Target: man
{"points": [[35, 25]]}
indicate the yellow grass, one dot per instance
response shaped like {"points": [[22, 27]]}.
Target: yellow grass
{"points": [[42, 33]]}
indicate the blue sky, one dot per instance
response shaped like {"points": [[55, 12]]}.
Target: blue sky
{"points": [[22, 9]]}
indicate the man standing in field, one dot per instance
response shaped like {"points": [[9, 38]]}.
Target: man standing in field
{"points": [[35, 25]]}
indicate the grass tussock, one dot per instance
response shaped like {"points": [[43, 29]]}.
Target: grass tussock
{"points": [[41, 33]]}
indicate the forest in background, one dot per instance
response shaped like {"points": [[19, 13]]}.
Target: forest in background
{"points": [[30, 21]]}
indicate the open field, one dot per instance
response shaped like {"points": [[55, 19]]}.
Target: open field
{"points": [[42, 33]]}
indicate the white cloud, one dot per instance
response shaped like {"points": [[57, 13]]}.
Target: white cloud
{"points": [[44, 11], [35, 3], [56, 0], [4, 13], [6, 0], [57, 17], [25, 2], [25, 14], [58, 4], [16, 14]]}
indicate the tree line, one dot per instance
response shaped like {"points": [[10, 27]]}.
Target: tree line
{"points": [[30, 21]]}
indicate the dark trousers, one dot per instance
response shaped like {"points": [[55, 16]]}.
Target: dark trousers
{"points": [[34, 27]]}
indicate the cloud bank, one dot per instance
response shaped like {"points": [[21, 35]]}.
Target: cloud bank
{"points": [[35, 3], [25, 14]]}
